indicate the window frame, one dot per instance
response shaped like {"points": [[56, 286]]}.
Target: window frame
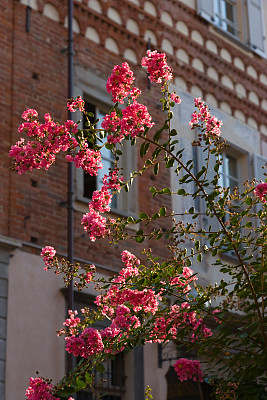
{"points": [[250, 28], [243, 173], [93, 89]]}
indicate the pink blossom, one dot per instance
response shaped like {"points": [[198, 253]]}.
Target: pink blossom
{"points": [[101, 200], [95, 225], [77, 104], [112, 180], [188, 369], [112, 124], [72, 322], [134, 93], [48, 139], [129, 259], [39, 389], [87, 159], [261, 191], [175, 98], [135, 118], [29, 115], [157, 66], [120, 81], [88, 343], [212, 124], [48, 253]]}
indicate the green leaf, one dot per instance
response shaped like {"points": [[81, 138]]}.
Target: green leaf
{"points": [[199, 257], [156, 168], [88, 378], [191, 210], [216, 167], [165, 191], [163, 212], [169, 163], [139, 239], [80, 384], [201, 172], [248, 201], [109, 146], [143, 215]]}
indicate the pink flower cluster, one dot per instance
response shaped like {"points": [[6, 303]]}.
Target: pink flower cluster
{"points": [[77, 104], [92, 341], [88, 343], [157, 67], [188, 369], [49, 139], [112, 180], [139, 300], [39, 389], [101, 200], [112, 124], [135, 118], [183, 281], [261, 191], [122, 323], [48, 253], [118, 295], [175, 98], [72, 322], [179, 317], [212, 124], [120, 81], [94, 224], [87, 159]]}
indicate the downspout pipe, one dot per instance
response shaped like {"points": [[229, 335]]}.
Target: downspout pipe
{"points": [[70, 199]]}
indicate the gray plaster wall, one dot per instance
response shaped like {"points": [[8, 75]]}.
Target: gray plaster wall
{"points": [[6, 248]]}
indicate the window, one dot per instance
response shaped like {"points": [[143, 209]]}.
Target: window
{"points": [[124, 203], [92, 183], [233, 171], [229, 172], [241, 19], [109, 384]]}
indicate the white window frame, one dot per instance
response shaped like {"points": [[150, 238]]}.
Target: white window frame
{"points": [[249, 27], [224, 171], [243, 173]]}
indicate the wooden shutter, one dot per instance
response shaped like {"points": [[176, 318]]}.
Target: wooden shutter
{"points": [[259, 163], [206, 10], [256, 26]]}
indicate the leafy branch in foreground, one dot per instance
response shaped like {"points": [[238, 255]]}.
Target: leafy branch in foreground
{"points": [[162, 300]]}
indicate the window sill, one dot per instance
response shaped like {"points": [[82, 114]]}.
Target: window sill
{"points": [[237, 41]]}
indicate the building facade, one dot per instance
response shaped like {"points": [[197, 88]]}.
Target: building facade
{"points": [[217, 50]]}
